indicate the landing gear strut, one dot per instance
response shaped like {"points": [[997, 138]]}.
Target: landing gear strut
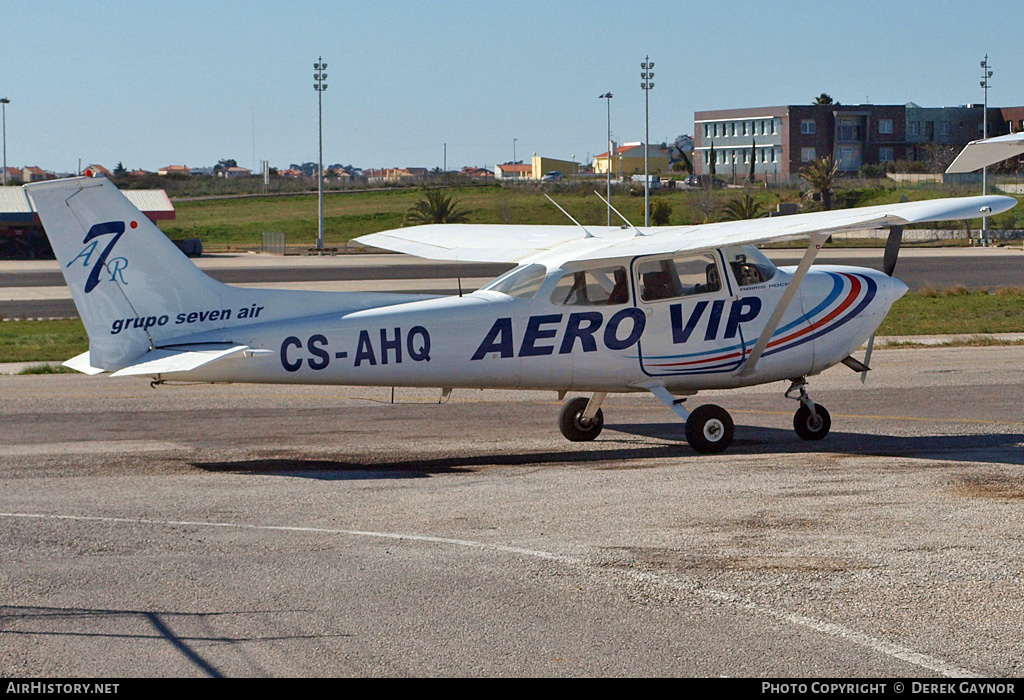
{"points": [[812, 421], [581, 418], [709, 428]]}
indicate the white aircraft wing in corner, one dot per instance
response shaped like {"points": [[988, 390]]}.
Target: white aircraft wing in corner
{"points": [[985, 152]]}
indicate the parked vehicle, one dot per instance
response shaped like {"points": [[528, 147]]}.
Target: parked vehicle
{"points": [[553, 176], [704, 181]]}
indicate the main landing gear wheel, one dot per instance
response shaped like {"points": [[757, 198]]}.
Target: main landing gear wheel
{"points": [[572, 425], [709, 429], [809, 426]]}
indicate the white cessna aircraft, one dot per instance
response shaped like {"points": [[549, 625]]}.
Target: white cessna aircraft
{"points": [[670, 310]]}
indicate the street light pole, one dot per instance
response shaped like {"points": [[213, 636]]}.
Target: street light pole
{"points": [[647, 85], [515, 171], [608, 171], [320, 86], [985, 75], [3, 106]]}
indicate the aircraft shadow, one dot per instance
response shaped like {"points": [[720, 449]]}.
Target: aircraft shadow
{"points": [[374, 468], [36, 621], [749, 440], [754, 440]]}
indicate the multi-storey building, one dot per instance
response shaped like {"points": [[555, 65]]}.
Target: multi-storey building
{"points": [[787, 138]]}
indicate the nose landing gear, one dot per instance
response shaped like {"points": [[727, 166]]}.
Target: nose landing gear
{"points": [[812, 421]]}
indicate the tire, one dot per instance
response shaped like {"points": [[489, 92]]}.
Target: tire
{"points": [[573, 428], [810, 428], [709, 429]]}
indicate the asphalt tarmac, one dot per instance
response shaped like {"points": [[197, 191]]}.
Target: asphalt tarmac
{"points": [[317, 531]]}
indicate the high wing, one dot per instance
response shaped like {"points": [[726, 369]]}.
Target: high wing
{"points": [[985, 152], [501, 243]]}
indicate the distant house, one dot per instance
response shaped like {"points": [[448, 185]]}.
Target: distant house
{"points": [[513, 171], [293, 173], [31, 173], [96, 169], [541, 165], [139, 173], [394, 174], [13, 176], [235, 171], [174, 170], [477, 173], [628, 159]]}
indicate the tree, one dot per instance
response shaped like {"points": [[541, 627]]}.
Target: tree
{"points": [[706, 202], [824, 99], [753, 158], [711, 157], [660, 212], [746, 207], [119, 170], [224, 164], [436, 207], [822, 176], [683, 164]]}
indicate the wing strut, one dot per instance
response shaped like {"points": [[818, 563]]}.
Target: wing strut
{"points": [[589, 234], [817, 239]]}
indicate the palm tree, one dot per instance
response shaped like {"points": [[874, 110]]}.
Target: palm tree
{"points": [[824, 99], [435, 208], [822, 176], [746, 207]]}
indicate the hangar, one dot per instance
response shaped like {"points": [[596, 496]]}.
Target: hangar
{"points": [[21, 234]]}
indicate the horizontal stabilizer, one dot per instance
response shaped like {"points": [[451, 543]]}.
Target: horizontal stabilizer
{"points": [[180, 358], [80, 363]]}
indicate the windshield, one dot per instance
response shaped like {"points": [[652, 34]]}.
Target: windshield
{"points": [[749, 265], [521, 283]]}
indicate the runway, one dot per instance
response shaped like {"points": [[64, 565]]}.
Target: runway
{"points": [[316, 531], [36, 289]]}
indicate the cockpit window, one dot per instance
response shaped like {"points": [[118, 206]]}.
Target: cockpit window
{"points": [[749, 265], [606, 286], [521, 282], [678, 277]]}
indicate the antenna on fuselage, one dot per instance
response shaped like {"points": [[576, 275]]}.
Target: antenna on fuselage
{"points": [[628, 222], [589, 234]]}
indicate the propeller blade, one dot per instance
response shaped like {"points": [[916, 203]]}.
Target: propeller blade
{"points": [[892, 249]]}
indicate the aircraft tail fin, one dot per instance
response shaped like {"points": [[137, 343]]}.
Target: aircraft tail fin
{"points": [[122, 270]]}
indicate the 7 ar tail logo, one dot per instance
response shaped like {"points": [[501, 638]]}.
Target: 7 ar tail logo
{"points": [[117, 265]]}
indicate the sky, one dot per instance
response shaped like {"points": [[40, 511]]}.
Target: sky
{"points": [[151, 84]]}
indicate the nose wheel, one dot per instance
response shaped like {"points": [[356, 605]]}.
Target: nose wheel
{"points": [[812, 421]]}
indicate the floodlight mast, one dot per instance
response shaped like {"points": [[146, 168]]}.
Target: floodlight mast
{"points": [[3, 106], [515, 171], [647, 85], [986, 73], [608, 170], [320, 86]]}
